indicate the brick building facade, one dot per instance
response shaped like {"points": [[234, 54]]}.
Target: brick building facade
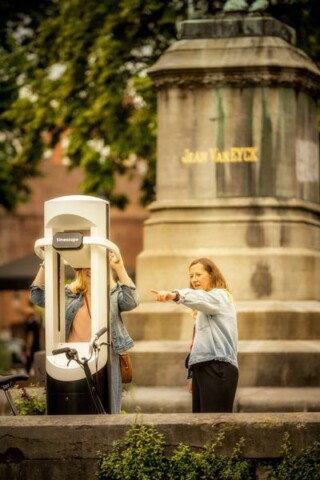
{"points": [[20, 230]]}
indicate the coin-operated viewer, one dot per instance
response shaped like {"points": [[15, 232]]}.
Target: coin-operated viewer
{"points": [[78, 374]]}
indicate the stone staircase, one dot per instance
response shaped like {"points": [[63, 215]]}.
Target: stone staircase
{"points": [[278, 353]]}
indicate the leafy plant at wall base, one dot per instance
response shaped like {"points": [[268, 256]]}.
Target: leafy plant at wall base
{"points": [[302, 466], [141, 455], [30, 404], [188, 465], [184, 464], [225, 466]]}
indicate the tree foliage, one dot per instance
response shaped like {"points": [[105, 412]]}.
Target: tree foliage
{"points": [[79, 76], [75, 72]]}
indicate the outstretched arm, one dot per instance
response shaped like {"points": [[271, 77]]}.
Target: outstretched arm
{"points": [[165, 295]]}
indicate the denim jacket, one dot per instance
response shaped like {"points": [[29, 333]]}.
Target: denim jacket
{"points": [[122, 298], [216, 332]]}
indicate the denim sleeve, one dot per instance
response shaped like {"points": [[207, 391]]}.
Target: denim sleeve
{"points": [[37, 295], [206, 302], [128, 298]]}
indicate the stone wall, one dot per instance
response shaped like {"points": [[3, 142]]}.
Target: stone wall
{"points": [[65, 447]]}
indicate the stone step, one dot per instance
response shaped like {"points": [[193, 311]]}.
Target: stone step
{"points": [[278, 320], [268, 363], [279, 363], [161, 321], [261, 320], [156, 399], [286, 399], [256, 399]]}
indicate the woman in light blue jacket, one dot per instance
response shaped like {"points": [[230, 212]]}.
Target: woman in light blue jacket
{"points": [[123, 297], [213, 356]]}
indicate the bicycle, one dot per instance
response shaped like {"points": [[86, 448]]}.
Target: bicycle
{"points": [[6, 383], [9, 381], [72, 354]]}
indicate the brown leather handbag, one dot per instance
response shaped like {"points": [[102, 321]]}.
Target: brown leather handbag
{"points": [[125, 367]]}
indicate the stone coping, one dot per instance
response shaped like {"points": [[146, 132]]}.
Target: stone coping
{"points": [[82, 436]]}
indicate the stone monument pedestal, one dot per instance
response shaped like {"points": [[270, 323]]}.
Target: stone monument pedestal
{"points": [[238, 182]]}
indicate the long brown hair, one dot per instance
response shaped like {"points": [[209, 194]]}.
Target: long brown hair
{"points": [[217, 279], [79, 285]]}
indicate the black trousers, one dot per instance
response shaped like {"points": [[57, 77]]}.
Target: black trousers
{"points": [[214, 386]]}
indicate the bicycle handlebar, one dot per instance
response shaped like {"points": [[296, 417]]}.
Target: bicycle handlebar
{"points": [[93, 342], [62, 350], [71, 352], [100, 332]]}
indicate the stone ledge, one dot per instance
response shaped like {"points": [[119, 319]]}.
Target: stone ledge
{"points": [[66, 447], [81, 436]]}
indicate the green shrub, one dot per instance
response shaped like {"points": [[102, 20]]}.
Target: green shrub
{"points": [[141, 455], [184, 464], [302, 466], [30, 403], [189, 465]]}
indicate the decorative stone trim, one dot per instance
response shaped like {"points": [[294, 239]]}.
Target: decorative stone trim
{"points": [[239, 77]]}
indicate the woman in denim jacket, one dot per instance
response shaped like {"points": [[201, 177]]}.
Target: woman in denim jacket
{"points": [[123, 297], [213, 355]]}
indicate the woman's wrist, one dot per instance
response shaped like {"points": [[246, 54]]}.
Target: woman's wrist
{"points": [[176, 297]]}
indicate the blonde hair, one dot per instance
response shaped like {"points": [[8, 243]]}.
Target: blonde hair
{"points": [[79, 285], [217, 279]]}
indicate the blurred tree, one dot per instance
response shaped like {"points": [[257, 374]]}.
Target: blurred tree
{"points": [[19, 20], [303, 16], [75, 71]]}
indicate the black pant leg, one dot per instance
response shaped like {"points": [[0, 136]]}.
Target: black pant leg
{"points": [[216, 383], [195, 395]]}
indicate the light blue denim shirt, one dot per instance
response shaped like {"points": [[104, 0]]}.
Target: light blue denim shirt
{"points": [[122, 299], [216, 333]]}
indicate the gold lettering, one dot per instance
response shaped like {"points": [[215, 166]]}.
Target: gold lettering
{"points": [[250, 154], [241, 152], [201, 157], [213, 152], [219, 157], [254, 154], [233, 155], [247, 155], [204, 157], [187, 157], [225, 156]]}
